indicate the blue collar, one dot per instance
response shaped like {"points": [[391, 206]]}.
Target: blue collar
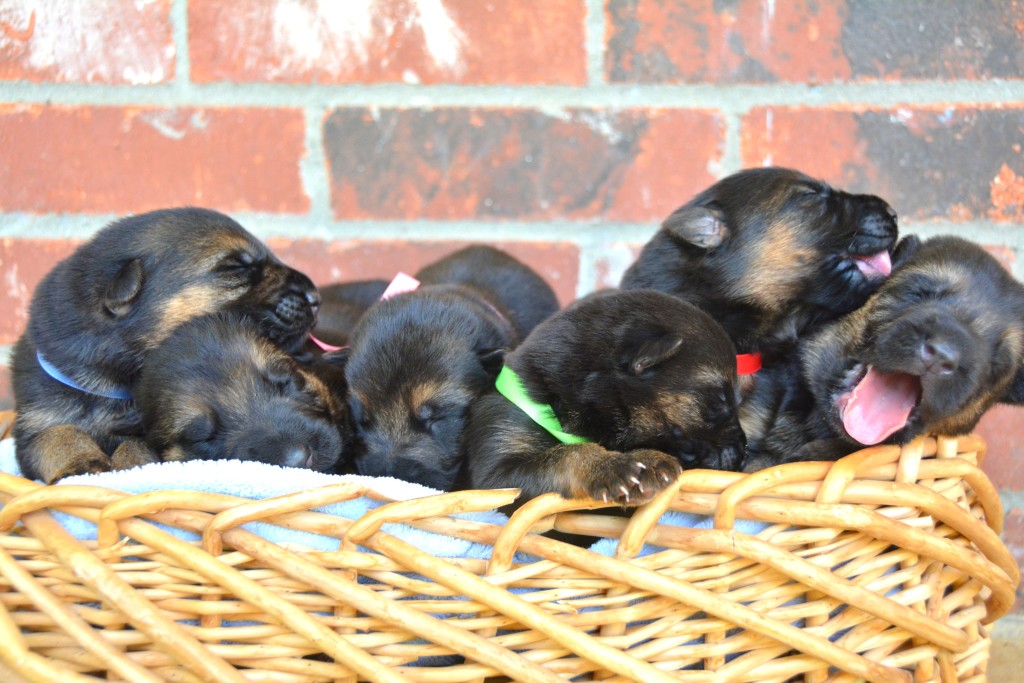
{"points": [[51, 370]]}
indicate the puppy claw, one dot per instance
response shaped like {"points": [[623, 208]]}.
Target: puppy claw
{"points": [[635, 480], [625, 492], [640, 465]]}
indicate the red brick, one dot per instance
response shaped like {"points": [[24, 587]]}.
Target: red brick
{"points": [[343, 261], [1013, 536], [23, 263], [763, 41], [938, 161], [632, 165], [132, 159], [78, 41], [1003, 431], [428, 41]]}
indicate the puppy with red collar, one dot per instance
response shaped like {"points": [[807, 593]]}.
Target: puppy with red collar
{"points": [[770, 253]]}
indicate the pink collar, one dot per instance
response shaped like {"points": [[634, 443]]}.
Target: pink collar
{"points": [[400, 284]]}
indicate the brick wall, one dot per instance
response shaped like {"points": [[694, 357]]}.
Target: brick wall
{"points": [[364, 137]]}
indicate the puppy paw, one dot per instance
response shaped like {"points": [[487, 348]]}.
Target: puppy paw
{"points": [[81, 463], [132, 453], [634, 477], [64, 451]]}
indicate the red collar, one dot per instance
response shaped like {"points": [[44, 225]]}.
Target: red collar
{"points": [[747, 363]]}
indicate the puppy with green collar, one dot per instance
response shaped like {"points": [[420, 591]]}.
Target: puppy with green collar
{"points": [[609, 399]]}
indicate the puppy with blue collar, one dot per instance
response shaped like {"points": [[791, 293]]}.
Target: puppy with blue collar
{"points": [[96, 315]]}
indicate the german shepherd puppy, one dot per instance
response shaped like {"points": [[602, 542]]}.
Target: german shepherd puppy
{"points": [[419, 359], [939, 343], [94, 317], [342, 305], [532, 299], [647, 380], [215, 389], [770, 253]]}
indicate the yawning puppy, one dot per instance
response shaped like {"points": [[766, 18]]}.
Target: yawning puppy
{"points": [[214, 389], [939, 343], [640, 382], [769, 253], [418, 360], [94, 317]]}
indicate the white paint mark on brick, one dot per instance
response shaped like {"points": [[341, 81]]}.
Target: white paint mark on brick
{"points": [[79, 43], [444, 40], [18, 292], [330, 35], [163, 122]]}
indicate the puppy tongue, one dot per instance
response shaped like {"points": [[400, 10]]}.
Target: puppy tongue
{"points": [[880, 405], [876, 265]]}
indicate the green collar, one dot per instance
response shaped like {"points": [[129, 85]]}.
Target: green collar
{"points": [[511, 387]]}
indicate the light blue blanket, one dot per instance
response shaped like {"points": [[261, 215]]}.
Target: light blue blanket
{"points": [[257, 480]]}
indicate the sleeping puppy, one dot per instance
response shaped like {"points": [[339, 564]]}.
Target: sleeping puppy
{"points": [[419, 359], [769, 253], [94, 317], [634, 384], [522, 296], [939, 343], [215, 389], [342, 305]]}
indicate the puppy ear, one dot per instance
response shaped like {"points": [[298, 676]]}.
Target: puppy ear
{"points": [[654, 351], [491, 360], [123, 288], [905, 248], [1015, 392], [701, 226], [1008, 360]]}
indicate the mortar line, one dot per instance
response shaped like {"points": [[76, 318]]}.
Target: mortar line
{"points": [[179, 34], [732, 158], [594, 27], [732, 99], [25, 225], [314, 171]]}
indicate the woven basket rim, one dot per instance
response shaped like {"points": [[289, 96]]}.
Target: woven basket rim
{"points": [[840, 497]]}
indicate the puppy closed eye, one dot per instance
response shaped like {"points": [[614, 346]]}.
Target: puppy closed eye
{"points": [[435, 418], [283, 377], [200, 427]]}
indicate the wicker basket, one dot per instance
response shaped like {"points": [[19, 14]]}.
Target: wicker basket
{"points": [[884, 566]]}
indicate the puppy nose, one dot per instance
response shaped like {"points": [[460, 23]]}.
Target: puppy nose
{"points": [[940, 356], [313, 297]]}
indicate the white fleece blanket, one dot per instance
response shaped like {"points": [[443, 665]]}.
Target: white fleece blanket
{"points": [[257, 480]]}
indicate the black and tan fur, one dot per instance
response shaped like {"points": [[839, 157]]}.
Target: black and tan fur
{"points": [[418, 360], [648, 379], [100, 311], [950, 317], [342, 305], [215, 389], [769, 253]]}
